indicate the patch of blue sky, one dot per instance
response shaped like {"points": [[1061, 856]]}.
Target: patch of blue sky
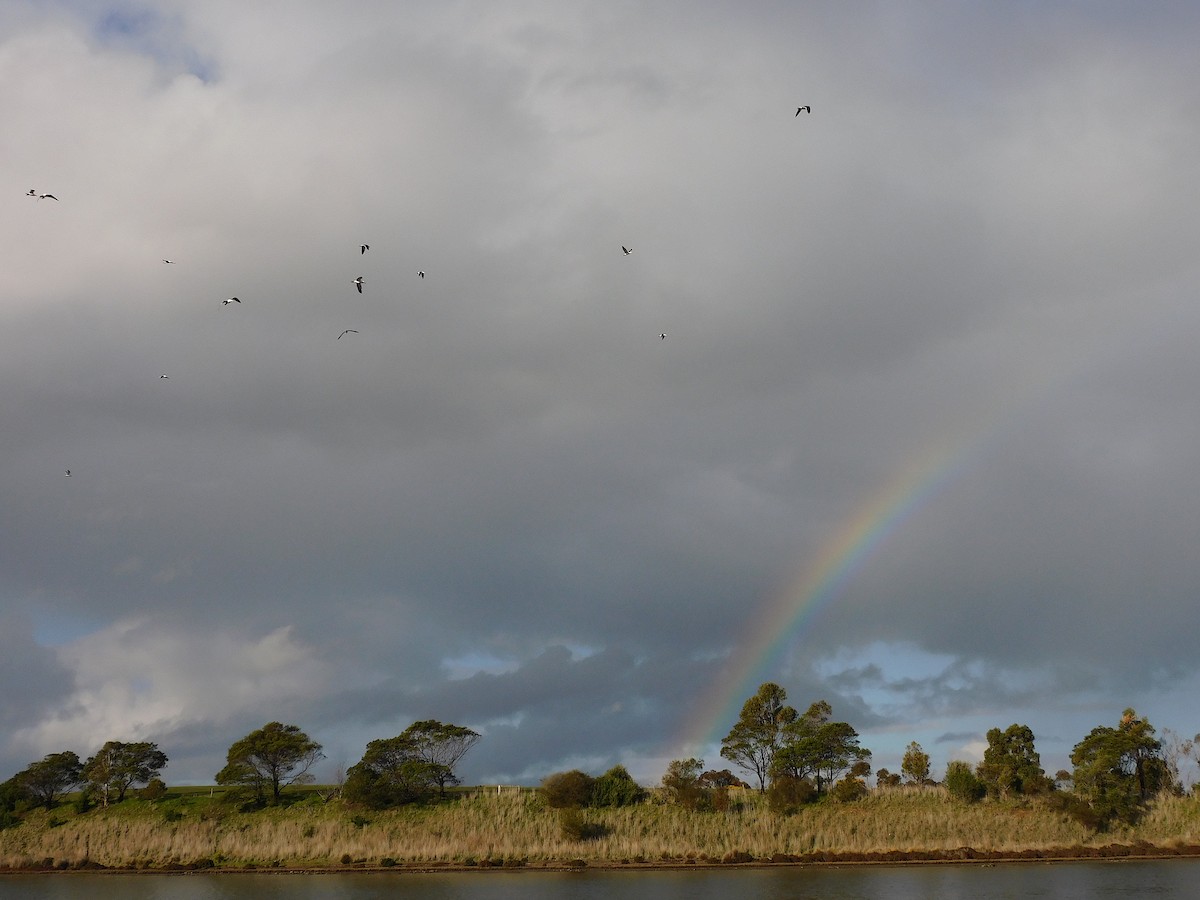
{"points": [[136, 29], [51, 630]]}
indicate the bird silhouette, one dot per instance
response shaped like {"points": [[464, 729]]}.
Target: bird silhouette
{"points": [[365, 248], [800, 109], [68, 473], [662, 337], [627, 250], [169, 262], [346, 332], [358, 283], [421, 274], [160, 377], [46, 197], [230, 300]]}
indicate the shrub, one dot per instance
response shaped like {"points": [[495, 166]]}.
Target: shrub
{"points": [[848, 790], [154, 790], [787, 794], [962, 783], [563, 790], [616, 787]]}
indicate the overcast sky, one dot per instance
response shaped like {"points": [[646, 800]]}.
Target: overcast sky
{"points": [[922, 438]]}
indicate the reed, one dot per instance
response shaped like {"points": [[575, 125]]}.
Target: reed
{"points": [[191, 828]]}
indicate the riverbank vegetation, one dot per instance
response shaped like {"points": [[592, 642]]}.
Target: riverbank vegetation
{"points": [[209, 827]]}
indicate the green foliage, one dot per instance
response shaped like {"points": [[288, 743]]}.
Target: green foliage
{"points": [[117, 766], [567, 790], [817, 748], [758, 733], [616, 787], [682, 784], [1117, 770], [274, 756], [394, 771], [441, 746], [849, 789], [884, 778], [915, 764], [962, 783], [787, 794], [45, 781], [155, 789], [1010, 764]]}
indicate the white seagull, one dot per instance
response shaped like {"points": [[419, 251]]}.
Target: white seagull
{"points": [[662, 337], [365, 248], [346, 332], [358, 283], [800, 109], [164, 376], [627, 250], [31, 193], [46, 197], [421, 274], [169, 262], [230, 300], [68, 473]]}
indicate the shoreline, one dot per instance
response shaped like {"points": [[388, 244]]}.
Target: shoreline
{"points": [[966, 856]]}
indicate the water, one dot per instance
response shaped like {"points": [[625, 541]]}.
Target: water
{"points": [[1167, 879]]}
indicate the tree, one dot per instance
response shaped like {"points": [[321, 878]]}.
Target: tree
{"points": [[48, 779], [915, 764], [758, 732], [275, 755], [962, 783], [682, 782], [118, 766], [815, 747], [1118, 769], [1010, 763], [884, 778], [442, 746], [616, 787], [393, 771]]}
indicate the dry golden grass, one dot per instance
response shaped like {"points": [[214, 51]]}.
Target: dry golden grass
{"points": [[195, 828]]}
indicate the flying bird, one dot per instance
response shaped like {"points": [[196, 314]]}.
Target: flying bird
{"points": [[169, 262], [68, 473], [46, 197], [230, 300], [662, 337], [627, 250], [346, 332], [365, 248], [31, 193], [164, 376], [421, 274], [358, 283], [800, 109]]}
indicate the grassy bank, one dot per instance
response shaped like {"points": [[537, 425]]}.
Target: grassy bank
{"points": [[195, 829]]}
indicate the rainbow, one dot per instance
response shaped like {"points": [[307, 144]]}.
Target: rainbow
{"points": [[840, 558]]}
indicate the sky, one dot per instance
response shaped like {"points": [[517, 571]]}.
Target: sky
{"points": [[920, 439]]}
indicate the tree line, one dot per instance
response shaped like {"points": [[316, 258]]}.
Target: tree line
{"points": [[793, 758], [415, 765]]}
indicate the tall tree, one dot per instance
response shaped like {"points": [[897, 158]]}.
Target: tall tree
{"points": [[813, 746], [915, 764], [274, 756], [1010, 763], [117, 766], [758, 732], [392, 772], [682, 782], [1118, 769], [46, 780], [441, 745]]}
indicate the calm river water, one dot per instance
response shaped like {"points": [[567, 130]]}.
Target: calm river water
{"points": [[1062, 881]]}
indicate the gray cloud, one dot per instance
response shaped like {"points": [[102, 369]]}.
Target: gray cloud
{"points": [[506, 501]]}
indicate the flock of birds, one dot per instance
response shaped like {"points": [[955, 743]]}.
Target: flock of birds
{"points": [[358, 282]]}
